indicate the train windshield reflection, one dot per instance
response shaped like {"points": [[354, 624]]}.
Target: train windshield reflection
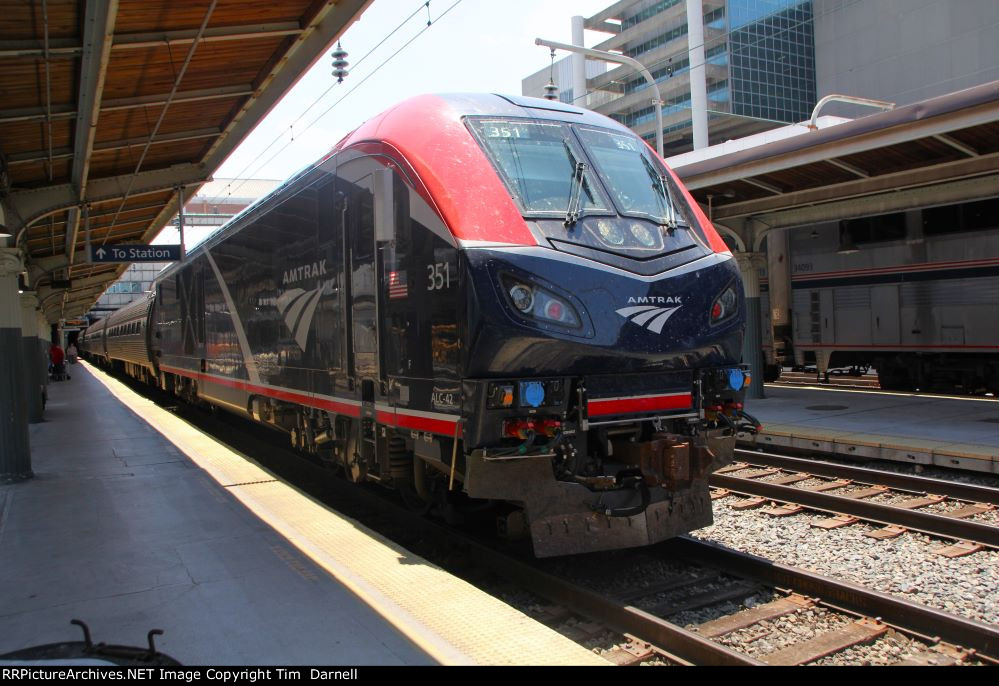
{"points": [[636, 183], [537, 161]]}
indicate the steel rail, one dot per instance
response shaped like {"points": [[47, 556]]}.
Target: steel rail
{"points": [[625, 619], [925, 522], [906, 482], [905, 614]]}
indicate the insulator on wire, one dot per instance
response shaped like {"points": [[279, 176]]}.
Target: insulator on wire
{"points": [[340, 63], [551, 90]]}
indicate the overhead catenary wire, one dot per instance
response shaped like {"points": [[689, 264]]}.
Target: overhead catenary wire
{"points": [[345, 95], [321, 96]]}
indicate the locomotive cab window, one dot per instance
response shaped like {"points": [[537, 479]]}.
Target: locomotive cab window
{"points": [[639, 187], [540, 163]]}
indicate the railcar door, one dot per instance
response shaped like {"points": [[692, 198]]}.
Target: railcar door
{"points": [[361, 267], [884, 315], [357, 179]]}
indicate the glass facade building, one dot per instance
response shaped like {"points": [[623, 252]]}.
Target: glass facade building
{"points": [[759, 59], [772, 59]]}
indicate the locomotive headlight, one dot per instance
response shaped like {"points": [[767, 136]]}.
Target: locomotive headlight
{"points": [[724, 306], [609, 232], [554, 309], [523, 297], [537, 303], [644, 235]]}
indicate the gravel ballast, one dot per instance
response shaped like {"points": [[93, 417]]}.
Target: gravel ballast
{"points": [[903, 566]]}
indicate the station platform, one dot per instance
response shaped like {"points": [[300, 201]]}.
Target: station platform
{"points": [[954, 432], [135, 520]]}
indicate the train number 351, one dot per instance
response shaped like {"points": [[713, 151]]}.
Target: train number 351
{"points": [[439, 276]]}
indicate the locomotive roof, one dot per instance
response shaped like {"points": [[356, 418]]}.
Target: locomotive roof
{"points": [[454, 174]]}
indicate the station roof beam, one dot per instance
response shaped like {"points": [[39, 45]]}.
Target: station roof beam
{"points": [[95, 124], [938, 151]]}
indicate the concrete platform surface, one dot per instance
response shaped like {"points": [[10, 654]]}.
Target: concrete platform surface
{"points": [[135, 520], [960, 433]]}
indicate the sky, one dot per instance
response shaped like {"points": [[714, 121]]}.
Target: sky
{"points": [[478, 46], [484, 46]]}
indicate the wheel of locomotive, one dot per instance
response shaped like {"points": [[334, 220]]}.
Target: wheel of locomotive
{"points": [[402, 467], [350, 457]]}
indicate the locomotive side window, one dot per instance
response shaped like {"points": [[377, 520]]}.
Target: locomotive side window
{"points": [[538, 162]]}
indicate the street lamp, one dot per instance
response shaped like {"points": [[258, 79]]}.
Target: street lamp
{"points": [[620, 59]]}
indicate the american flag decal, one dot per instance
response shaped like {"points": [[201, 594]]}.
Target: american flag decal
{"points": [[397, 287]]}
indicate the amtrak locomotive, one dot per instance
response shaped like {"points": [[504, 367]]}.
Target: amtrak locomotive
{"points": [[473, 298]]}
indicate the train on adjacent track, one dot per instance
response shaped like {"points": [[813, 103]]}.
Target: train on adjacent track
{"points": [[914, 295], [472, 299]]}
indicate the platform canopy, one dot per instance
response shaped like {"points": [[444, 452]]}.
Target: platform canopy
{"points": [[939, 151], [108, 107]]}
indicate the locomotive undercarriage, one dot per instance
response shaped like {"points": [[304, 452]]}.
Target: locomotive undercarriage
{"points": [[629, 486], [616, 484]]}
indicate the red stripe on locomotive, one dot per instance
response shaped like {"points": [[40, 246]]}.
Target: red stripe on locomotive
{"points": [[651, 403], [473, 202]]}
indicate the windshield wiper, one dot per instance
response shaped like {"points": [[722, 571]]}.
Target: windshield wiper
{"points": [[576, 190], [575, 194], [660, 185]]}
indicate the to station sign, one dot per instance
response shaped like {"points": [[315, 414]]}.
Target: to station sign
{"points": [[135, 253]]}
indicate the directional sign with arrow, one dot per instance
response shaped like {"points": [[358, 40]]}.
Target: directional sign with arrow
{"points": [[135, 253]]}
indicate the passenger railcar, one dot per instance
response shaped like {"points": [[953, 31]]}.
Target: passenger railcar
{"points": [[914, 295], [476, 297]]}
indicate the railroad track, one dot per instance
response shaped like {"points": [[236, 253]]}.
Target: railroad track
{"points": [[718, 574], [861, 615], [846, 492]]}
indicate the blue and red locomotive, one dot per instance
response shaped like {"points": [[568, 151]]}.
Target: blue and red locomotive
{"points": [[472, 297]]}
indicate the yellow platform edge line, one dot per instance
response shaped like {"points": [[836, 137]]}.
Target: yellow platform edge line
{"points": [[447, 651]]}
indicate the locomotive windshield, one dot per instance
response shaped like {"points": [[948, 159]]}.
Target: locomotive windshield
{"points": [[542, 163], [639, 187], [539, 164]]}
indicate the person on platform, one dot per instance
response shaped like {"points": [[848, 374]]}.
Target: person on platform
{"points": [[57, 362], [71, 353]]}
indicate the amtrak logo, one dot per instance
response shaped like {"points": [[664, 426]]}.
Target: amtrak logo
{"points": [[648, 316], [298, 306]]}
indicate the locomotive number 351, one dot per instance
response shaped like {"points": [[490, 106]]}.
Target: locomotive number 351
{"points": [[439, 276]]}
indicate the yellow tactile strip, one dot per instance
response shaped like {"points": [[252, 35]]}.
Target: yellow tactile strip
{"points": [[450, 619]]}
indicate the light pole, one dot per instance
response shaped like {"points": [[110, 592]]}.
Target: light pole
{"points": [[620, 59]]}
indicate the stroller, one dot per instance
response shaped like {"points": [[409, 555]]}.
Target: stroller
{"points": [[57, 364], [57, 372]]}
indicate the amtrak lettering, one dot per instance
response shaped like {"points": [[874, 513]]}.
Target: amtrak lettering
{"points": [[656, 300], [305, 271]]}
